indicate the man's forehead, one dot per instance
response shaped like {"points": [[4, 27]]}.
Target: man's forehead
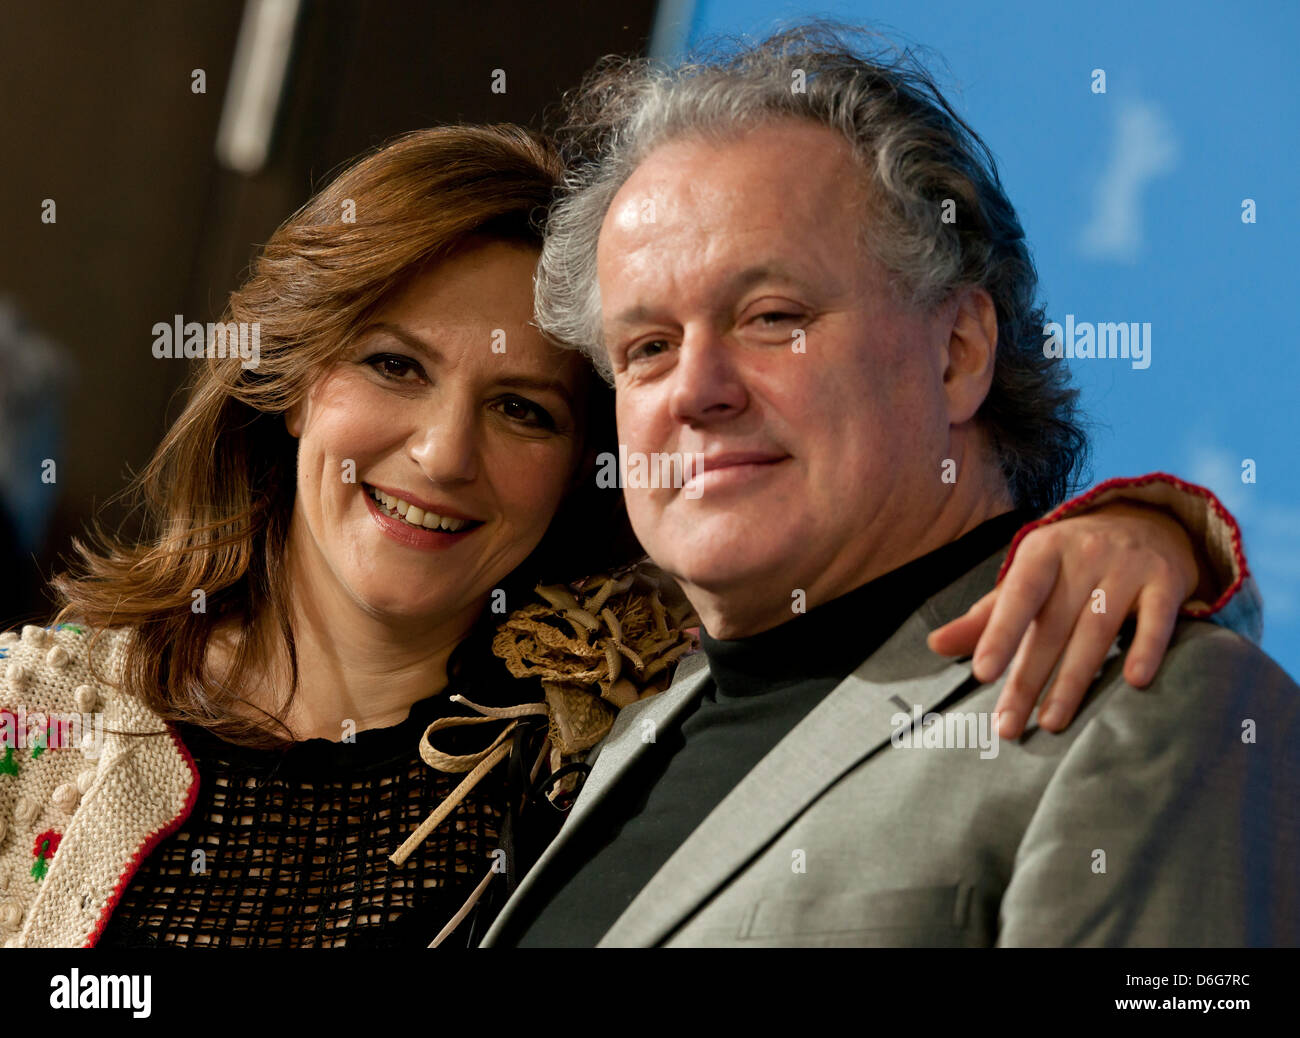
{"points": [[776, 174]]}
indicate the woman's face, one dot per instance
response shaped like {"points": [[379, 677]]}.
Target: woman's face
{"points": [[454, 411]]}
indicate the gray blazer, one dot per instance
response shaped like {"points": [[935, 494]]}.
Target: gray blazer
{"points": [[1162, 817]]}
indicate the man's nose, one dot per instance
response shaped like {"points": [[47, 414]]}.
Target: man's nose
{"points": [[446, 446], [707, 383]]}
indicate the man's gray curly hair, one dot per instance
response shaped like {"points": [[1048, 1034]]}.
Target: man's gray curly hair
{"points": [[916, 154]]}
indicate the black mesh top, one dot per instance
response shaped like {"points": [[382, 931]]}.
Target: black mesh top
{"points": [[289, 848]]}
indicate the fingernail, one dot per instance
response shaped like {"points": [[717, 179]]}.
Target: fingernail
{"points": [[983, 664], [1051, 716], [1006, 722]]}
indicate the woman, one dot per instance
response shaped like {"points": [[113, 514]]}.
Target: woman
{"points": [[333, 539]]}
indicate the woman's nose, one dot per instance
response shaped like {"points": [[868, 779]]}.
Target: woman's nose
{"points": [[446, 446]]}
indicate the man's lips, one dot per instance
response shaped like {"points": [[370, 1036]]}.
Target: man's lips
{"points": [[728, 459], [725, 468]]}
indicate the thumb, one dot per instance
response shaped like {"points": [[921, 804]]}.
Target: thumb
{"points": [[960, 636]]}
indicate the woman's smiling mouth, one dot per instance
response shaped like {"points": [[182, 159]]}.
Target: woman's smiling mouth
{"points": [[413, 524]]}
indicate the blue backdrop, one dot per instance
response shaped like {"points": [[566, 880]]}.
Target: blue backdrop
{"points": [[1133, 201]]}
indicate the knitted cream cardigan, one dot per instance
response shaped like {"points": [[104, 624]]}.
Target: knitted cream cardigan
{"points": [[76, 821]]}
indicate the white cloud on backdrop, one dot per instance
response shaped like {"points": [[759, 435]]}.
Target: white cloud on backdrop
{"points": [[1143, 147]]}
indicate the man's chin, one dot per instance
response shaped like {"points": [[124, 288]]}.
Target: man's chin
{"points": [[731, 570], [716, 551]]}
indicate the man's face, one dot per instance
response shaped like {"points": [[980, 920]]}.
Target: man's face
{"points": [[745, 322]]}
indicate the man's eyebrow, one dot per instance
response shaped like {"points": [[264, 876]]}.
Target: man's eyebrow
{"points": [[632, 315], [751, 276], [741, 281]]}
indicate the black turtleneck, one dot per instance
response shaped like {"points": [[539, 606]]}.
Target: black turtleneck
{"points": [[761, 687]]}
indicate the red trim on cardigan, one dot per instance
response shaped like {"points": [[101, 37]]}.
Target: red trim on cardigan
{"points": [[1076, 504], [147, 848]]}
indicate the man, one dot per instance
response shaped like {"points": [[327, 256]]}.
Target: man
{"points": [[800, 266]]}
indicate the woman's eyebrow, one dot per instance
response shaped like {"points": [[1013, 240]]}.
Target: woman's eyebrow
{"points": [[397, 332], [538, 382], [516, 381]]}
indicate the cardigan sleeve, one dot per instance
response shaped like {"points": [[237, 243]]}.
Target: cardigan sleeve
{"points": [[1235, 601]]}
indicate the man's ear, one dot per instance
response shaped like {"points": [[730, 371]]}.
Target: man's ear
{"points": [[972, 350]]}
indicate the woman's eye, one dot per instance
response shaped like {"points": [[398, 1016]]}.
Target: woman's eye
{"points": [[517, 409], [393, 367]]}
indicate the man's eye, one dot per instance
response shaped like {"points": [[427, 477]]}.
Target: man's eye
{"points": [[775, 317], [393, 367], [646, 350], [517, 409]]}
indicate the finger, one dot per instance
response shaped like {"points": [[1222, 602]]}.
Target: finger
{"points": [[959, 637], [1042, 646], [1012, 709], [1157, 617], [1090, 641], [1023, 593]]}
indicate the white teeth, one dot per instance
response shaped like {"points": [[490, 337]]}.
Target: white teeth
{"points": [[417, 516]]}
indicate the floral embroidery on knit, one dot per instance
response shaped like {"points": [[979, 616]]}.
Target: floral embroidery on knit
{"points": [[43, 850], [35, 732], [9, 762]]}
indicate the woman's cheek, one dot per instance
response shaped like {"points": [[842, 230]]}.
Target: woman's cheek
{"points": [[537, 489]]}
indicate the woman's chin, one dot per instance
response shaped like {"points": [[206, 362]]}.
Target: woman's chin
{"points": [[382, 604]]}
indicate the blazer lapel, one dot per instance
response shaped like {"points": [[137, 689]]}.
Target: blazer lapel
{"points": [[854, 721], [620, 750]]}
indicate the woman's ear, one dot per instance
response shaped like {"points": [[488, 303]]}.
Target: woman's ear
{"points": [[293, 420]]}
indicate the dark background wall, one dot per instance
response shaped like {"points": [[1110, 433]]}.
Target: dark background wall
{"points": [[98, 113]]}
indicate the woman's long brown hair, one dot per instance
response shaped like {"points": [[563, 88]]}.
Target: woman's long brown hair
{"points": [[218, 493]]}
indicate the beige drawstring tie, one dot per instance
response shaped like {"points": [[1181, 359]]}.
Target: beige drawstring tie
{"points": [[579, 643], [478, 765]]}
